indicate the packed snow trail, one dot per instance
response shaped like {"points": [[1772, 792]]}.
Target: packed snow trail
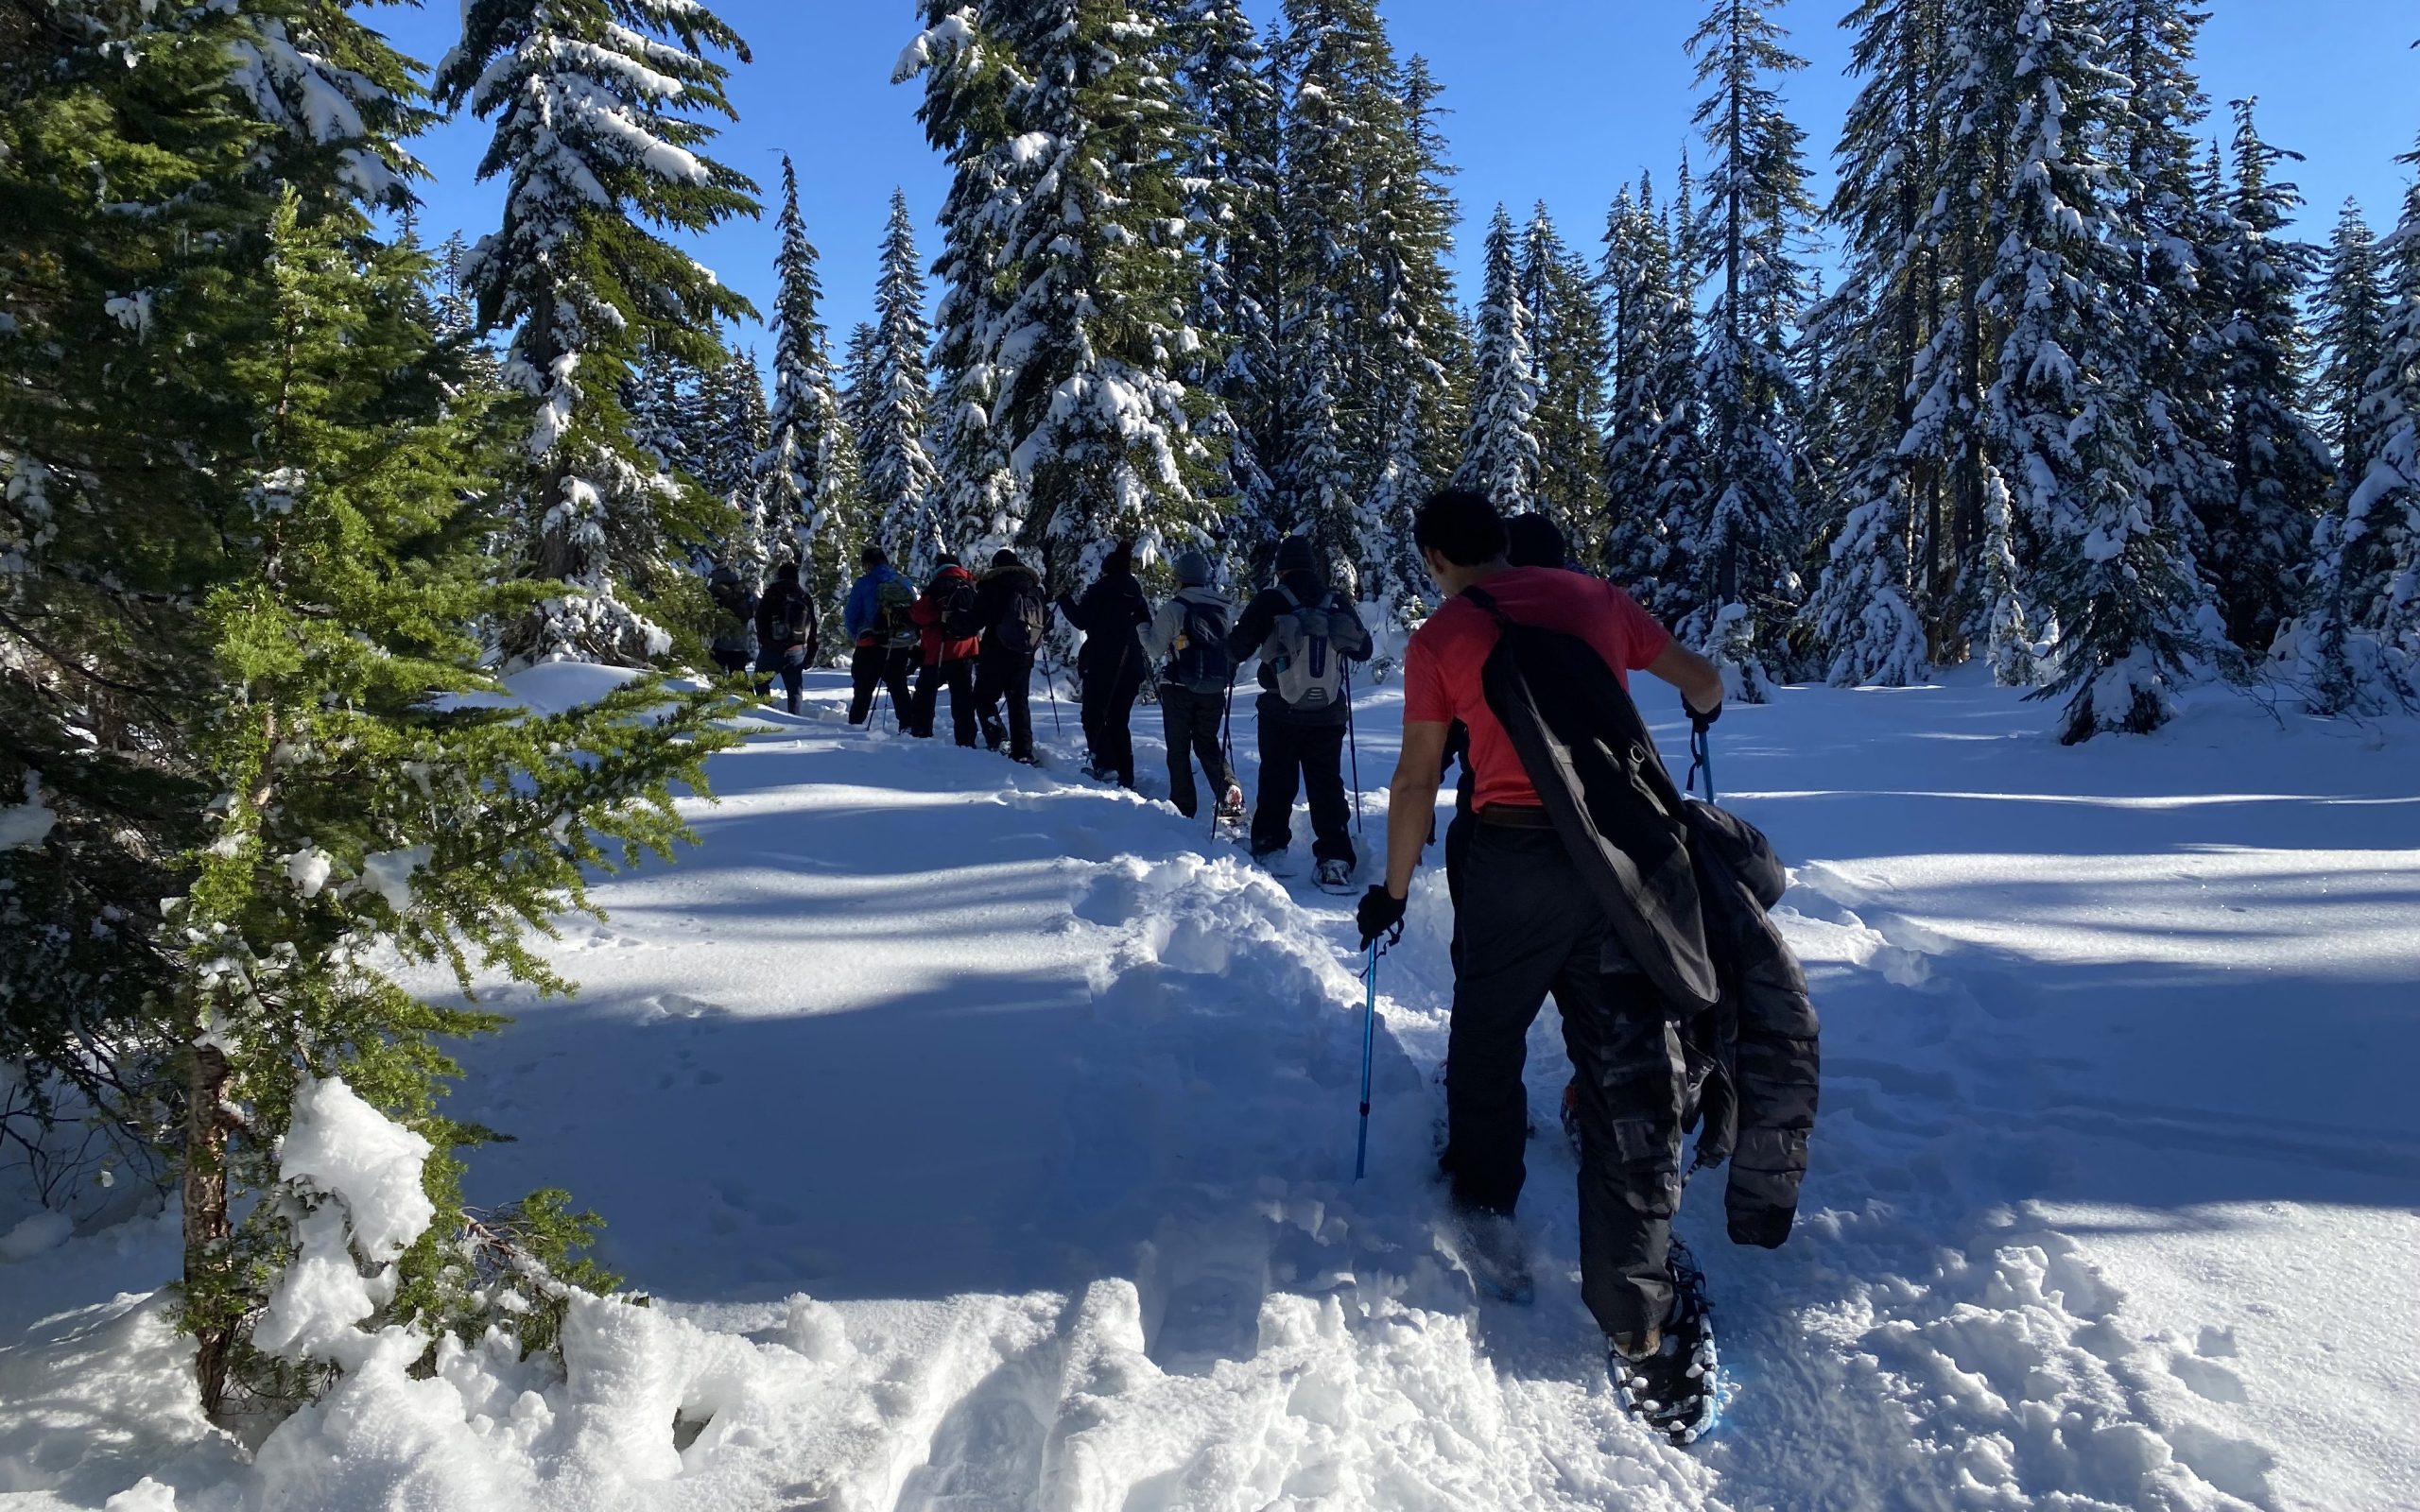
{"points": [[986, 1143]]}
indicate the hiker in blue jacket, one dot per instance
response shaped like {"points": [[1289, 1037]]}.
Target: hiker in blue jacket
{"points": [[883, 635]]}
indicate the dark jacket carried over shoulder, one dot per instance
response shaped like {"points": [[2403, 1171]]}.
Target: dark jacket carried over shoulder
{"points": [[1249, 637], [1111, 614], [1686, 886], [787, 602]]}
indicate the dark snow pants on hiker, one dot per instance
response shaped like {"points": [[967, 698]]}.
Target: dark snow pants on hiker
{"points": [[1532, 925], [959, 677], [1295, 756], [1004, 674], [1109, 723], [873, 667], [789, 665], [1190, 720]]}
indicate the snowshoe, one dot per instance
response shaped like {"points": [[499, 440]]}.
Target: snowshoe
{"points": [[1336, 877], [1490, 1247], [1276, 863], [1675, 1389], [1100, 774]]}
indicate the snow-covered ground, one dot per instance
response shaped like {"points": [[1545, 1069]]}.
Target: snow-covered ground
{"points": [[985, 1139]]}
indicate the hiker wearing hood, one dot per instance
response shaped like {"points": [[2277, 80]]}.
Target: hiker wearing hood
{"points": [[951, 637], [1187, 641], [883, 633], [1015, 614], [787, 637], [1304, 632], [1110, 665]]}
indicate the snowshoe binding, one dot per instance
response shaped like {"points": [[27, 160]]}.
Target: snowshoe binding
{"points": [[1336, 878], [1674, 1387]]}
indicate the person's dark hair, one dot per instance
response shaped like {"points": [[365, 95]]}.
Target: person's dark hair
{"points": [[1005, 557], [1531, 540], [871, 557], [1460, 525], [786, 573], [947, 559], [1120, 561]]}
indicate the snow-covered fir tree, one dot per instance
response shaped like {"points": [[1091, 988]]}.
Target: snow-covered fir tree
{"points": [[2359, 641], [599, 123], [1888, 561], [901, 483], [1655, 464], [969, 68], [806, 469], [1747, 545], [2066, 413], [2350, 313], [1500, 452], [2258, 552], [1230, 108], [1571, 363]]}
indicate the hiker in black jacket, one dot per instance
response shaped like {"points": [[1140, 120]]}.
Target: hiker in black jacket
{"points": [[787, 637], [1014, 611], [1303, 710], [1111, 615], [1533, 922]]}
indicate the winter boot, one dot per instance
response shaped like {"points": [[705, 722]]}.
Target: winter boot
{"points": [[1668, 1380], [1336, 877], [1492, 1249]]}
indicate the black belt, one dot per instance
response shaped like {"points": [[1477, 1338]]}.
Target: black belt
{"points": [[1516, 815]]}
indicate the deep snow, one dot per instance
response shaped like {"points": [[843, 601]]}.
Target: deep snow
{"points": [[985, 1139]]}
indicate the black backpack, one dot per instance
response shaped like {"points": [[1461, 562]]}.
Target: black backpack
{"points": [[1022, 621], [787, 615], [1200, 660], [955, 596]]}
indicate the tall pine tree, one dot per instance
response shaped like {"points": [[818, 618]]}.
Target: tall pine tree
{"points": [[1500, 453], [807, 468], [902, 484], [597, 127]]}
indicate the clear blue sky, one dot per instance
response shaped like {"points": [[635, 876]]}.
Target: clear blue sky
{"points": [[1554, 99]]}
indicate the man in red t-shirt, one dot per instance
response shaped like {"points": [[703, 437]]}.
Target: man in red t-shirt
{"points": [[1531, 925]]}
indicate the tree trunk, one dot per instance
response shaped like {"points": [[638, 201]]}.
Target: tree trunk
{"points": [[214, 1311]]}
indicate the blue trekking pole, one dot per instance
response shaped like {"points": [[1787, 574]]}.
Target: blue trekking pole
{"points": [[1369, 1049], [1701, 757]]}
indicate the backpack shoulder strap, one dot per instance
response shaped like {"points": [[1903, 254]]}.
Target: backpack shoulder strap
{"points": [[1486, 601], [1292, 602]]}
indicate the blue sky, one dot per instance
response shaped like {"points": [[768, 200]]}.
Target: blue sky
{"points": [[1554, 99]]}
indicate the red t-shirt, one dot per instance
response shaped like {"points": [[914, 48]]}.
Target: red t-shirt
{"points": [[1441, 667]]}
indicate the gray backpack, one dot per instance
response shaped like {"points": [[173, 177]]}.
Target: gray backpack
{"points": [[1310, 674]]}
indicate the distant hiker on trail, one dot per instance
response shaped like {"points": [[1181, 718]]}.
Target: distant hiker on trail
{"points": [[1588, 875], [788, 641], [1187, 640], [951, 637], [1111, 664], [1304, 633], [1014, 614], [734, 647], [880, 621]]}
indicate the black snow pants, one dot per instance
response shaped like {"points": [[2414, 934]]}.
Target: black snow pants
{"points": [[1002, 674], [1108, 720], [959, 677], [872, 667], [1532, 925], [1191, 720], [1307, 756]]}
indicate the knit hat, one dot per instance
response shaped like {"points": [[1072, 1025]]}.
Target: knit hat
{"points": [[1192, 569], [1294, 555], [1004, 557]]}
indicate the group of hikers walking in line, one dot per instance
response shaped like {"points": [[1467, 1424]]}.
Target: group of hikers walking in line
{"points": [[1575, 867], [978, 638]]}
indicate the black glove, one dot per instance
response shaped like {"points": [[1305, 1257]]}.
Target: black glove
{"points": [[1701, 722], [1380, 914]]}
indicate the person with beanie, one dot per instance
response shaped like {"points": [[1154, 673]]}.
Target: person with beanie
{"points": [[1187, 641], [1014, 614], [1110, 665], [787, 637], [1303, 631], [951, 637]]}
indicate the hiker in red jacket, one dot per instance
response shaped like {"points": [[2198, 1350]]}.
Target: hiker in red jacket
{"points": [[952, 635]]}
